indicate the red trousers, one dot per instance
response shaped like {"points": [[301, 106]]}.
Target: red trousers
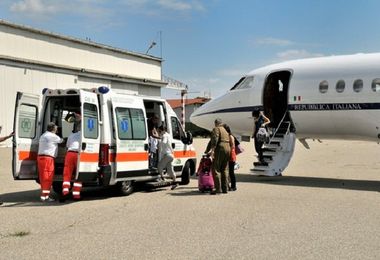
{"points": [[46, 174], [71, 162]]}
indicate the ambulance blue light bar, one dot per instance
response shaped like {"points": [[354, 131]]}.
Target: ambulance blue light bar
{"points": [[103, 90]]}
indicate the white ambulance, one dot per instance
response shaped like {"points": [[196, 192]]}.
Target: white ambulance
{"points": [[114, 143]]}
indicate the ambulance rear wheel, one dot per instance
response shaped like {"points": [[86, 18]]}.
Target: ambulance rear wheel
{"points": [[125, 187], [185, 177]]}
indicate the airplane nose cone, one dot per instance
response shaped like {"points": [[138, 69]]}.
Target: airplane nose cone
{"points": [[201, 117], [194, 117]]}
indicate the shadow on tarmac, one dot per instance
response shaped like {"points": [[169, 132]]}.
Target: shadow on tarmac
{"points": [[315, 182], [189, 192], [31, 197]]}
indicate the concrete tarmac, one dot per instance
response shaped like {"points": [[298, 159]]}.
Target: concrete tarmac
{"points": [[326, 206]]}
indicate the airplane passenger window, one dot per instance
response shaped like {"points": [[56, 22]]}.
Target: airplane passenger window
{"points": [[340, 85], [323, 86], [246, 83], [358, 85], [376, 85]]}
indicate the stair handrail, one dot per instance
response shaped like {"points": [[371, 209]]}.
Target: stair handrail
{"points": [[278, 127]]}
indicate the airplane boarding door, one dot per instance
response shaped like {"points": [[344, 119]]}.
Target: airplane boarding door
{"points": [[25, 140], [131, 136], [90, 143], [275, 97]]}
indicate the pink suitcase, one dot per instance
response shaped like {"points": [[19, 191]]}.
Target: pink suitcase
{"points": [[205, 179]]}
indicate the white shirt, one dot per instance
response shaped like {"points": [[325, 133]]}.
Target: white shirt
{"points": [[73, 141], [165, 145], [48, 144]]}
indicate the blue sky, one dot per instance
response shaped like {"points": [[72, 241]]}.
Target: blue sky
{"points": [[210, 44]]}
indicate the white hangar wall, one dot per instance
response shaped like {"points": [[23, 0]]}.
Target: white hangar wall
{"points": [[31, 60], [30, 44]]}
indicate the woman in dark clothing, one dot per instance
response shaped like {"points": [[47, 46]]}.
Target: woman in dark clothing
{"points": [[231, 163], [260, 120]]}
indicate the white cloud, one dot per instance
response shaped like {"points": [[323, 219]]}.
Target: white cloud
{"points": [[231, 72], [175, 5], [152, 6], [35, 7], [269, 41], [95, 10], [179, 5], [101, 11], [297, 54], [213, 80]]}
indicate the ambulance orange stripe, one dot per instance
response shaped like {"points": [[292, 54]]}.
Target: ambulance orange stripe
{"points": [[121, 157], [89, 157], [131, 157], [183, 154], [27, 155]]}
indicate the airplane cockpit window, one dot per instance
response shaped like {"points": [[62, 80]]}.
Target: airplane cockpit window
{"points": [[323, 86], [376, 85], [237, 83], [340, 85], [244, 83], [358, 85]]}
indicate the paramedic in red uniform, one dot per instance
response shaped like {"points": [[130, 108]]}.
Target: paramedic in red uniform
{"points": [[47, 151], [71, 160]]}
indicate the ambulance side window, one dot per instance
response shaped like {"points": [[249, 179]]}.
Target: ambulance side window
{"points": [[176, 128], [123, 121], [27, 121], [138, 124], [130, 123], [90, 121]]}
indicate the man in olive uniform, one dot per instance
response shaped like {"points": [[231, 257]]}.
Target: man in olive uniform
{"points": [[219, 146]]}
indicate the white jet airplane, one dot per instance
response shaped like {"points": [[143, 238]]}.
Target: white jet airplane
{"points": [[335, 97]]}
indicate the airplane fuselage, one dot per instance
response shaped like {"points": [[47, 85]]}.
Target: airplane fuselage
{"points": [[335, 97]]}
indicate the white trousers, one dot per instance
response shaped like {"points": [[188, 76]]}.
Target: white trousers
{"points": [[166, 162]]}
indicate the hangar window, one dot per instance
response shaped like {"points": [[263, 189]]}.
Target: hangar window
{"points": [[323, 86], [376, 85], [244, 83], [340, 85], [358, 85]]}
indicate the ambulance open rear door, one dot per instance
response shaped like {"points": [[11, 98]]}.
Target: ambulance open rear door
{"points": [[90, 139], [26, 136]]}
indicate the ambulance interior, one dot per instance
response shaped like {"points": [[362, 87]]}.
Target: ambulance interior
{"points": [[58, 110], [156, 108]]}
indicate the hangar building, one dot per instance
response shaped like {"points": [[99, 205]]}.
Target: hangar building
{"points": [[31, 60]]}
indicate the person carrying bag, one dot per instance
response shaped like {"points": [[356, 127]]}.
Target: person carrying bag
{"points": [[260, 134]]}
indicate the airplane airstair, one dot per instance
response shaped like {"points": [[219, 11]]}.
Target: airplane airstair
{"points": [[277, 151]]}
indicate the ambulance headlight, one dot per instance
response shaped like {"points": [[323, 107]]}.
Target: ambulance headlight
{"points": [[103, 90]]}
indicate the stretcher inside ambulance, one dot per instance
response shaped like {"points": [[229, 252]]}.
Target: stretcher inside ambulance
{"points": [[114, 146]]}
